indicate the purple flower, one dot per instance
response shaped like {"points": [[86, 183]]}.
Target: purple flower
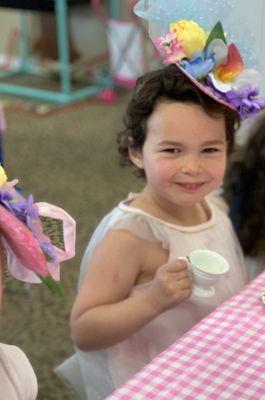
{"points": [[25, 211], [5, 198], [200, 66], [48, 250], [246, 101]]}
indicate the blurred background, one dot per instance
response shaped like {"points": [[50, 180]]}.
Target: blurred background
{"points": [[63, 93]]}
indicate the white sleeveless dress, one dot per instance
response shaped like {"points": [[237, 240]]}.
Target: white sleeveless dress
{"points": [[104, 370]]}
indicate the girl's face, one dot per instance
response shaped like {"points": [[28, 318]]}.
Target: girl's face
{"points": [[184, 154]]}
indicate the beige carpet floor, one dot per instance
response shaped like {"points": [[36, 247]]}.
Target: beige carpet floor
{"points": [[69, 159]]}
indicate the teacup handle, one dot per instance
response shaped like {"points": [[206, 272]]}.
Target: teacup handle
{"points": [[188, 263], [197, 291]]}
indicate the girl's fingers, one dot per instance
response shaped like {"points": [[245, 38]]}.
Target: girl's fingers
{"points": [[175, 266], [182, 274], [185, 293], [185, 283]]}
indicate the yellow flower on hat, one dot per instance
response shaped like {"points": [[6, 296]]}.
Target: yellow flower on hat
{"points": [[191, 36], [3, 177]]}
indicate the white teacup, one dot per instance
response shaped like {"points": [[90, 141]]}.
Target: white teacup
{"points": [[206, 267]]}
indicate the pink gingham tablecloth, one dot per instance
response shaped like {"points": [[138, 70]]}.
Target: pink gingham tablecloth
{"points": [[222, 357]]}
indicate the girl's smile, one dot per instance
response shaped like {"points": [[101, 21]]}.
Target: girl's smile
{"points": [[189, 186]]}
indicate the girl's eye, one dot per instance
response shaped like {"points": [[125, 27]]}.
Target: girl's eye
{"points": [[211, 150], [172, 150]]}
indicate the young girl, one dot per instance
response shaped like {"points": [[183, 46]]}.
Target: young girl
{"points": [[244, 190], [135, 296]]}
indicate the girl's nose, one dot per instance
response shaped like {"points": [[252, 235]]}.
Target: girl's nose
{"points": [[191, 165]]}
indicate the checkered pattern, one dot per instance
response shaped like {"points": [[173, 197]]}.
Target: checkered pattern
{"points": [[222, 357]]}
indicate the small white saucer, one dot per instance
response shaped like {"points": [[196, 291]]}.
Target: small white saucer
{"points": [[197, 291]]}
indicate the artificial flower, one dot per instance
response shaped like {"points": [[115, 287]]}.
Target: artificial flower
{"points": [[5, 200], [246, 101], [3, 177], [31, 255], [220, 50], [233, 67], [200, 66], [167, 40], [48, 250], [213, 63], [26, 211], [215, 83], [191, 36], [170, 47], [246, 78]]}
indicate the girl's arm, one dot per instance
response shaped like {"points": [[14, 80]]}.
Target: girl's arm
{"points": [[103, 314]]}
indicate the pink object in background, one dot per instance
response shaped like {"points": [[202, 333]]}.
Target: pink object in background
{"points": [[127, 59], [25, 257], [22, 253], [69, 236], [107, 96], [20, 242]]}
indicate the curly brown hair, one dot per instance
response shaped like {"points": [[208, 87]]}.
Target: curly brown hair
{"points": [[167, 83], [244, 191]]}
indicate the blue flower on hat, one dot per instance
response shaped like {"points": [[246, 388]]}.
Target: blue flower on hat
{"points": [[199, 66]]}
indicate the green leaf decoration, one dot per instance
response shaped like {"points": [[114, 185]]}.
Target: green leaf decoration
{"points": [[51, 284], [216, 33]]}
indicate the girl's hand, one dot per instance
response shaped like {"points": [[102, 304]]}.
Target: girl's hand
{"points": [[170, 286]]}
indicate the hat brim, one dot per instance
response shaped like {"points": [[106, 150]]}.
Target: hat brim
{"points": [[205, 89]]}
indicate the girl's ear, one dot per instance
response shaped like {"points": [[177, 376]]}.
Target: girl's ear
{"points": [[136, 157]]}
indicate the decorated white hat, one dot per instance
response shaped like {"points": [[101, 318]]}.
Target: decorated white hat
{"points": [[207, 41]]}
